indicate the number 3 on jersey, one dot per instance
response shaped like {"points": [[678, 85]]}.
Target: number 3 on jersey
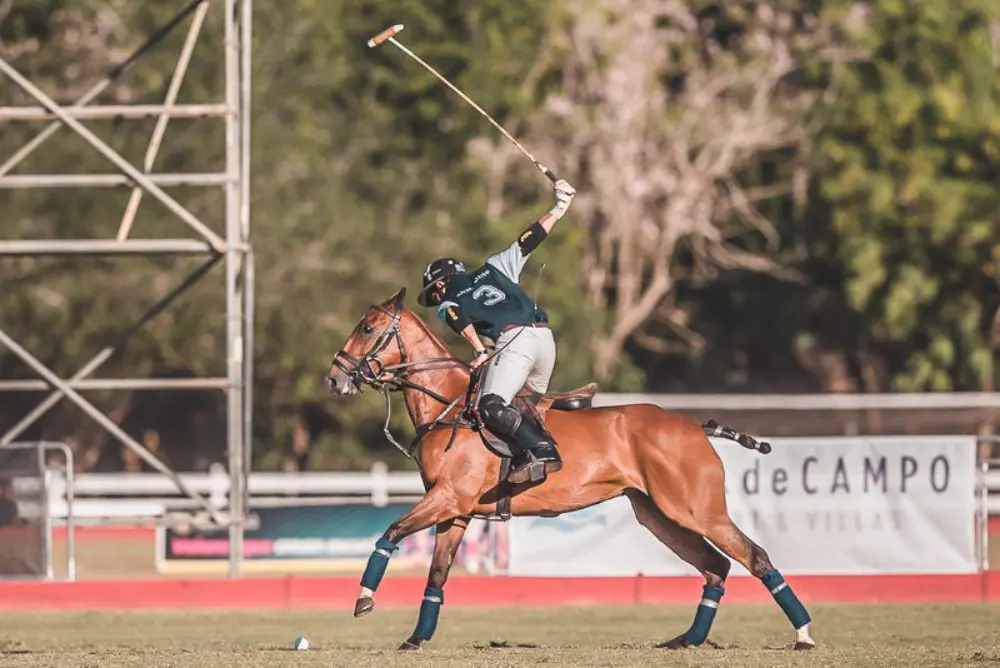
{"points": [[488, 295]]}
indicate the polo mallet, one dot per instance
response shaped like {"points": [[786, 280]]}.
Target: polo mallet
{"points": [[389, 35]]}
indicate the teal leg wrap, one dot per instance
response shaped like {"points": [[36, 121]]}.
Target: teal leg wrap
{"points": [[703, 618], [430, 608], [786, 598], [377, 563]]}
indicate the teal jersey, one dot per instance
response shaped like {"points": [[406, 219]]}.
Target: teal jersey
{"points": [[490, 296]]}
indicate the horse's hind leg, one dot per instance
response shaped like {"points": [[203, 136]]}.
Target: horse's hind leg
{"points": [[728, 537], [695, 550], [697, 501], [446, 541]]}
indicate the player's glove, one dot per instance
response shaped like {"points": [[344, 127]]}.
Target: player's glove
{"points": [[564, 195], [564, 191]]}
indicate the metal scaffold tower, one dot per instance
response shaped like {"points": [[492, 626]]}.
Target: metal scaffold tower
{"points": [[233, 248]]}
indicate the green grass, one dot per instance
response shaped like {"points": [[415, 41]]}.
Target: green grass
{"points": [[753, 637]]}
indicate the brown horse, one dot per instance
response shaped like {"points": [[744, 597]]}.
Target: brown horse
{"points": [[662, 462]]}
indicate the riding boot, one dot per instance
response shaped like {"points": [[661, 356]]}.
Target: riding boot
{"points": [[540, 456], [533, 450]]}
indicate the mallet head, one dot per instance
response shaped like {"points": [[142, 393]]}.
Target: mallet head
{"points": [[384, 35]]}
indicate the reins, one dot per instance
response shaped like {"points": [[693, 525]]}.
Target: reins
{"points": [[370, 371]]}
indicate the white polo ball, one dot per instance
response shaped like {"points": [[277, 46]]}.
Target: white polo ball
{"points": [[301, 644]]}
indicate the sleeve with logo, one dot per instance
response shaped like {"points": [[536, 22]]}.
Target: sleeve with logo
{"points": [[452, 315], [512, 259]]}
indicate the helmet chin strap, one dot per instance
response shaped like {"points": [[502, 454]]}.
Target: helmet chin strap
{"points": [[437, 292]]}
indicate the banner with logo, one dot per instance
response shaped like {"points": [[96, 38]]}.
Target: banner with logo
{"points": [[311, 537], [819, 506]]}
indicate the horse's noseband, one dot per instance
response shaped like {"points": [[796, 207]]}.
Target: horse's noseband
{"points": [[370, 369]]}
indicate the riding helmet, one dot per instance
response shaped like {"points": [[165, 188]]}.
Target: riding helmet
{"points": [[437, 270]]}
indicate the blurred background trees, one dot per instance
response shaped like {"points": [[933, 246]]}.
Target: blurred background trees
{"points": [[774, 196]]}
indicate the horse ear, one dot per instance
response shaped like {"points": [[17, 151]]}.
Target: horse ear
{"points": [[397, 298]]}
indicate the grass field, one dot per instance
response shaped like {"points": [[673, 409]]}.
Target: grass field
{"points": [[753, 637]]}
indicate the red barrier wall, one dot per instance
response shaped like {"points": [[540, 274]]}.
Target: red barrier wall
{"points": [[89, 533], [295, 592]]}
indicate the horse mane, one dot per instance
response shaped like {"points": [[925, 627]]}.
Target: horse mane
{"points": [[433, 338]]}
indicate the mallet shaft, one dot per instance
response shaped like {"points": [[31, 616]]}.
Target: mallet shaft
{"points": [[389, 35]]}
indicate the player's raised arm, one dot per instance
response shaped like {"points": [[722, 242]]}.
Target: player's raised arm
{"points": [[511, 260]]}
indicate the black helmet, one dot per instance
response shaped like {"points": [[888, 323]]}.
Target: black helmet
{"points": [[437, 270]]}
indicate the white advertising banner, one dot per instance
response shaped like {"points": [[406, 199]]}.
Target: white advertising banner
{"points": [[822, 506]]}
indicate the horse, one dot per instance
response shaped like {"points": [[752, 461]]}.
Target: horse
{"points": [[662, 462]]}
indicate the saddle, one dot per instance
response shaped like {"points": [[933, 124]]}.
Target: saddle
{"points": [[537, 405], [534, 406], [574, 400]]}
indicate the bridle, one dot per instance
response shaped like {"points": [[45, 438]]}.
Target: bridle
{"points": [[371, 371]]}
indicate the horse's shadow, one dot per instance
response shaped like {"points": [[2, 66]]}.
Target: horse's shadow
{"points": [[503, 644], [504, 489]]}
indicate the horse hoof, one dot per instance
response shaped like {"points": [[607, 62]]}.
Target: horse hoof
{"points": [[803, 640], [411, 644], [364, 605], [680, 642]]}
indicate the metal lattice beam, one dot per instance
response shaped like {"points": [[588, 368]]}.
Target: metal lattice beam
{"points": [[169, 104], [114, 156], [112, 75], [116, 111], [109, 180], [231, 246], [105, 247], [104, 420], [116, 344], [103, 384]]}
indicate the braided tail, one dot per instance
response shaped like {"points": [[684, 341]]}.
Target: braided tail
{"points": [[713, 428]]}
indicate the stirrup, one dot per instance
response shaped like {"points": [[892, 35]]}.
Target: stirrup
{"points": [[533, 470]]}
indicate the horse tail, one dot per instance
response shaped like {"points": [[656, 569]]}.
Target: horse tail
{"points": [[713, 428]]}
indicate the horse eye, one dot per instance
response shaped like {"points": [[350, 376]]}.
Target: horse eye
{"points": [[367, 329]]}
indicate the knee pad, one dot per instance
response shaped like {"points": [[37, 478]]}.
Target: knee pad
{"points": [[498, 415]]}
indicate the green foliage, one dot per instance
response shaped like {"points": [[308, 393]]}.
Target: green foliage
{"points": [[908, 178]]}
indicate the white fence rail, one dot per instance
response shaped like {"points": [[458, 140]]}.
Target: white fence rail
{"points": [[119, 496], [378, 483], [808, 402]]}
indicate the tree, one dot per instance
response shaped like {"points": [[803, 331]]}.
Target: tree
{"points": [[663, 111], [906, 215]]}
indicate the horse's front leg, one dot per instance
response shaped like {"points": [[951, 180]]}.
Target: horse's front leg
{"points": [[446, 541], [438, 505]]}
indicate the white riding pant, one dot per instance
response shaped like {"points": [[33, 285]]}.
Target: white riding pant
{"points": [[527, 357]]}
